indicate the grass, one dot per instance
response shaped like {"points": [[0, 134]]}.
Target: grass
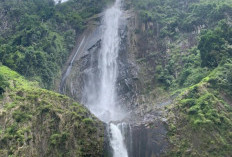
{"points": [[16, 80]]}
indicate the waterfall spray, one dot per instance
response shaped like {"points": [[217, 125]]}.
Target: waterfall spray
{"points": [[100, 89]]}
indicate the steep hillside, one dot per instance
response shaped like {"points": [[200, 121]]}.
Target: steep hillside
{"points": [[167, 40], [36, 37], [37, 122], [183, 49], [200, 119]]}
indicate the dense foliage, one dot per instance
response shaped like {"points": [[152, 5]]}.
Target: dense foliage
{"points": [[215, 45], [201, 123], [37, 36], [3, 84], [187, 50], [173, 16], [202, 116], [174, 26]]}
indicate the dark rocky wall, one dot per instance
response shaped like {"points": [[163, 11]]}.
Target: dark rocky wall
{"points": [[88, 57], [149, 140], [148, 137]]}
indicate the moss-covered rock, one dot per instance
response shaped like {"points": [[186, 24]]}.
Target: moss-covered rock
{"points": [[38, 122]]}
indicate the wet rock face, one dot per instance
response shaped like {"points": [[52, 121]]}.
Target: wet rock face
{"points": [[147, 135], [85, 66], [127, 72], [86, 57], [150, 140], [108, 151], [146, 138], [90, 71]]}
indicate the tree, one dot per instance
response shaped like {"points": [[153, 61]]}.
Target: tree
{"points": [[213, 45]]}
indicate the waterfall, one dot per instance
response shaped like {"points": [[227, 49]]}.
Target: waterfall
{"points": [[116, 142], [60, 1], [100, 85]]}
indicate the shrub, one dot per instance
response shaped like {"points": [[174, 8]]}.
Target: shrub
{"points": [[88, 121], [3, 84]]}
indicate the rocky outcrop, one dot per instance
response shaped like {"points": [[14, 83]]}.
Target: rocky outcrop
{"points": [[127, 82], [151, 140], [36, 122]]}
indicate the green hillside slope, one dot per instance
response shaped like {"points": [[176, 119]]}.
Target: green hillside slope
{"points": [[185, 51], [37, 122]]}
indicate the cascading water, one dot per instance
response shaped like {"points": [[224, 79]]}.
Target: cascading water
{"points": [[65, 75], [100, 94], [60, 1], [117, 141], [100, 89]]}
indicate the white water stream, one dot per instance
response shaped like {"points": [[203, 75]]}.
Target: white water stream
{"points": [[60, 1], [70, 66], [100, 89], [117, 142]]}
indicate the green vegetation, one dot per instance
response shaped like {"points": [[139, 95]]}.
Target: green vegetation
{"points": [[215, 45], [31, 116], [201, 121], [58, 139], [3, 84], [186, 48], [173, 16], [174, 27], [37, 36]]}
